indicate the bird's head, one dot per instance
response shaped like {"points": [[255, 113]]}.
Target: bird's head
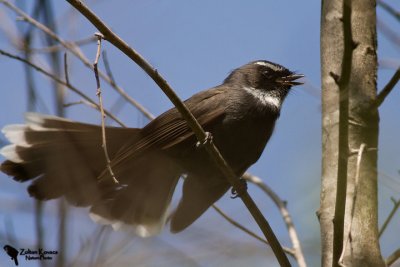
{"points": [[267, 81]]}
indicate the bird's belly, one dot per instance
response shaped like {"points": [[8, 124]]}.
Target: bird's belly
{"points": [[242, 144]]}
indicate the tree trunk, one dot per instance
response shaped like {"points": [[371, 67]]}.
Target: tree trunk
{"points": [[358, 229]]}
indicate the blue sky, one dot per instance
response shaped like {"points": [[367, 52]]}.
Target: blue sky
{"points": [[194, 45]]}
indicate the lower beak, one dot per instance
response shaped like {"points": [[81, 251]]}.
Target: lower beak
{"points": [[291, 79]]}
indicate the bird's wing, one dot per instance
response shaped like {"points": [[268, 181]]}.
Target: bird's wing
{"points": [[170, 129]]}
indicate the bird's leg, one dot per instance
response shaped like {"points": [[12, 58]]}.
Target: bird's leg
{"points": [[208, 139]]}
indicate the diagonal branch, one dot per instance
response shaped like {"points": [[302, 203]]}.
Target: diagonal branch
{"points": [[193, 124], [389, 9], [393, 257], [388, 88], [297, 251], [396, 205]]}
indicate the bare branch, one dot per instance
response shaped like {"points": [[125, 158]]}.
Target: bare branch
{"points": [[58, 80], [66, 68], [393, 257], [193, 124], [388, 32], [84, 102], [396, 205], [243, 228], [389, 9], [111, 75], [54, 48], [75, 51], [388, 88], [120, 101], [297, 251], [98, 93]]}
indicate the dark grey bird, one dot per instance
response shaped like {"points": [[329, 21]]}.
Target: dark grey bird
{"points": [[65, 158]]}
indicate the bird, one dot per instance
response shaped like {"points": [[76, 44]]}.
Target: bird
{"points": [[64, 158]]}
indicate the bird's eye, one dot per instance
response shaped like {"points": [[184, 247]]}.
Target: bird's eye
{"points": [[268, 75]]}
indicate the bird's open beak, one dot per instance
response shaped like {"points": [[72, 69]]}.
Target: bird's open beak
{"points": [[290, 79]]}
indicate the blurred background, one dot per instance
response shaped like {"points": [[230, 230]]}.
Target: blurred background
{"points": [[193, 45]]}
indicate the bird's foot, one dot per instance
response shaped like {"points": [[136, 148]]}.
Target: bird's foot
{"points": [[207, 140], [243, 187]]}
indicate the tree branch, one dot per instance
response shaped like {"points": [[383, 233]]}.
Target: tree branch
{"points": [[389, 9], [193, 124], [58, 80], [297, 251], [396, 205], [388, 88], [98, 93], [76, 52], [54, 48], [247, 231], [393, 257]]}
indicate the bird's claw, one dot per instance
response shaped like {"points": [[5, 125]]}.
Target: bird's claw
{"points": [[243, 187], [207, 140]]}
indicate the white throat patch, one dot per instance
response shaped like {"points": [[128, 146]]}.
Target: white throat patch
{"points": [[264, 97]]}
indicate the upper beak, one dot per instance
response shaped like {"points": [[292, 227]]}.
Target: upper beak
{"points": [[290, 79]]}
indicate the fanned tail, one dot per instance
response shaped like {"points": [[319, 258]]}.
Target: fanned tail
{"points": [[66, 158]]}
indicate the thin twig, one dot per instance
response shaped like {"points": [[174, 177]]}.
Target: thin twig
{"points": [[248, 231], [120, 101], [396, 205], [55, 78], [353, 204], [388, 88], [391, 34], [75, 51], [88, 243], [80, 102], [297, 251], [389, 9], [66, 69], [109, 72], [192, 123], [393, 257], [103, 116], [54, 48]]}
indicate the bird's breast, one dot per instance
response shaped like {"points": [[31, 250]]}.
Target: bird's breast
{"points": [[241, 138]]}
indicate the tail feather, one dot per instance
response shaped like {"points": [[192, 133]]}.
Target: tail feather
{"points": [[65, 158]]}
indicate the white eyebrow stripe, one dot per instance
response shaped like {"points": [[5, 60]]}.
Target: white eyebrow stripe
{"points": [[264, 97], [269, 65]]}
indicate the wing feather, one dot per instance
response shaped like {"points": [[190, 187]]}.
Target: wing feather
{"points": [[170, 129]]}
